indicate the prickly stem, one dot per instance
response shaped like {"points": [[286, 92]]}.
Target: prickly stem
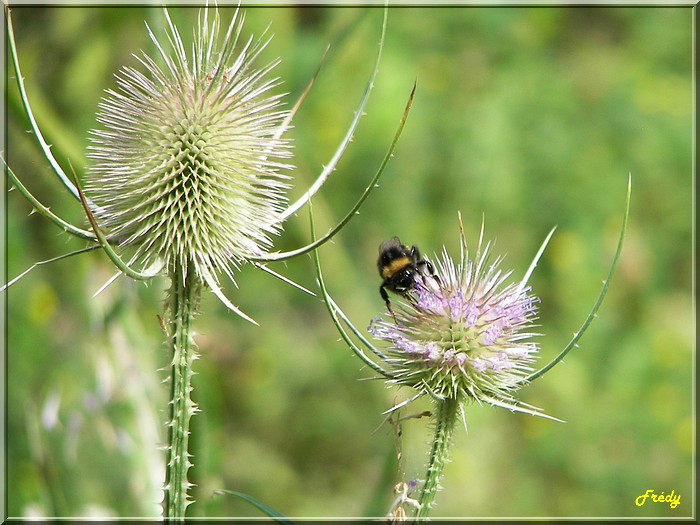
{"points": [[183, 302], [445, 420]]}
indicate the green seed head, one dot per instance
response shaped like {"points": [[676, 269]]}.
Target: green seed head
{"points": [[187, 164]]}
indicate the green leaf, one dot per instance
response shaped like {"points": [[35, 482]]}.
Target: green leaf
{"points": [[255, 503]]}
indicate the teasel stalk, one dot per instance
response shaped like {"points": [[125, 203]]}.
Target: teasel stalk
{"points": [[183, 301], [188, 173]]}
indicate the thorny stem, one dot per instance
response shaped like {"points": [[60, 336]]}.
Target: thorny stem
{"points": [[184, 299], [445, 421]]}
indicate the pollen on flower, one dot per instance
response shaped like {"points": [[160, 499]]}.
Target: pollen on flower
{"points": [[188, 162], [465, 333]]}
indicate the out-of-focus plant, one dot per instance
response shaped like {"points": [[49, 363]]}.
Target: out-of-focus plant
{"points": [[462, 333], [188, 181]]}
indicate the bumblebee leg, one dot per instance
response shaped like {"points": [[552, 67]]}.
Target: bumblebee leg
{"points": [[429, 270], [415, 253], [385, 296], [427, 265]]}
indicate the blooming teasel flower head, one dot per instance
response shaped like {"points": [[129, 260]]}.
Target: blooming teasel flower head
{"points": [[187, 165], [464, 333]]}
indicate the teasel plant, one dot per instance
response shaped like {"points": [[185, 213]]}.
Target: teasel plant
{"points": [[463, 333], [188, 180]]}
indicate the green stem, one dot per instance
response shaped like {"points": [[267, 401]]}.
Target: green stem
{"points": [[445, 421], [184, 299]]}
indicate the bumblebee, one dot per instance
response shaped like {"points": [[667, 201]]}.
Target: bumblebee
{"points": [[399, 266]]}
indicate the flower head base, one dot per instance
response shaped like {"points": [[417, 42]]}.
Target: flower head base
{"points": [[463, 333], [187, 165]]}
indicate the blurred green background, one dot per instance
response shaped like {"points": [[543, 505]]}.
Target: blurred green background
{"points": [[527, 117]]}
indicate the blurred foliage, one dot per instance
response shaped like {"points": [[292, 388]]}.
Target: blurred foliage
{"points": [[527, 117]]}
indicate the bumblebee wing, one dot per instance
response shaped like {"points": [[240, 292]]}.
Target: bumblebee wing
{"points": [[394, 242]]}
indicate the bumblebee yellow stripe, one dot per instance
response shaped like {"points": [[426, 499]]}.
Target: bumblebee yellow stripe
{"points": [[395, 266]]}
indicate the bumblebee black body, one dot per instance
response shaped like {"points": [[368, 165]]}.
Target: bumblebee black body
{"points": [[399, 266]]}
